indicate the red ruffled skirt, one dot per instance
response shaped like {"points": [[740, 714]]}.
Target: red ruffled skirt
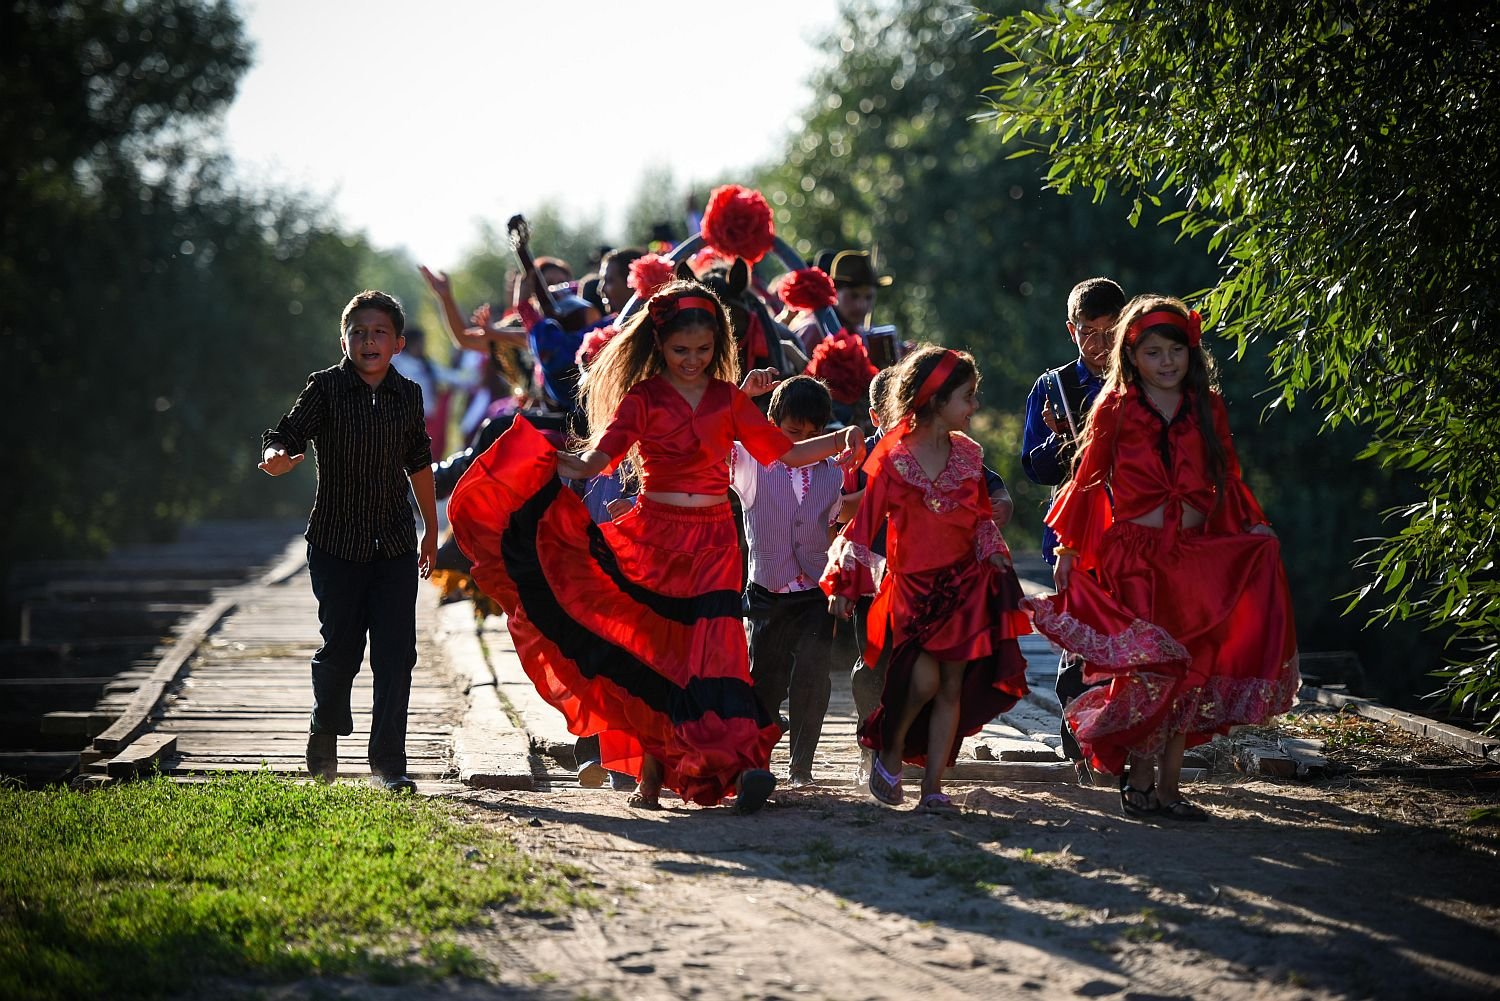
{"points": [[1194, 634], [632, 629], [964, 613]]}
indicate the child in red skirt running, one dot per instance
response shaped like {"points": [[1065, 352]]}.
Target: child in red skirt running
{"points": [[632, 628], [948, 601], [1187, 615]]}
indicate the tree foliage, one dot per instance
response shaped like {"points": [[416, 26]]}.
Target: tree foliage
{"points": [[1343, 161], [157, 316]]}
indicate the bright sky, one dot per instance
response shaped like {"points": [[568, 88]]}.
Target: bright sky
{"points": [[418, 119]]}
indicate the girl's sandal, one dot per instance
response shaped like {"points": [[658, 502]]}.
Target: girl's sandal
{"points": [[937, 802], [644, 801], [1181, 809], [1137, 802], [883, 785]]}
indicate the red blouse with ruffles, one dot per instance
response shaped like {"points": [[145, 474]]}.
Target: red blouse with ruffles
{"points": [[684, 450], [933, 523], [1146, 460]]}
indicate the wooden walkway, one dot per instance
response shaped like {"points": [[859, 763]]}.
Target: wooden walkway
{"points": [[244, 699]]}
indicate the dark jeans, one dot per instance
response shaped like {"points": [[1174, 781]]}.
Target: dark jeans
{"points": [[867, 683], [1069, 686], [791, 640], [378, 598]]}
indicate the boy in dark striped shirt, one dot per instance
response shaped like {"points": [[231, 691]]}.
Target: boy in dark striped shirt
{"points": [[362, 550]]}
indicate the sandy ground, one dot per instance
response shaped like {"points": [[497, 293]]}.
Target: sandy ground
{"points": [[1354, 886], [1342, 889]]}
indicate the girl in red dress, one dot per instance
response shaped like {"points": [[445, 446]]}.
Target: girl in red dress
{"points": [[632, 628], [1174, 594], [947, 603]]}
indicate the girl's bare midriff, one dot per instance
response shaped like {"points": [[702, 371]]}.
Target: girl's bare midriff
{"points": [[685, 500], [1157, 517]]}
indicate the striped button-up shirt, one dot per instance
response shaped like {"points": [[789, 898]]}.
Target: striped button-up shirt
{"points": [[369, 442]]}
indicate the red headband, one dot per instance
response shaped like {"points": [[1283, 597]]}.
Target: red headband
{"points": [[662, 310], [929, 388], [1192, 325], [935, 380]]}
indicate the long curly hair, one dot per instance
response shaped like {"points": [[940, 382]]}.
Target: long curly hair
{"points": [[634, 354]]}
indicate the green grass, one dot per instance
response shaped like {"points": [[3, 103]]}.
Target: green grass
{"points": [[973, 871], [134, 890]]}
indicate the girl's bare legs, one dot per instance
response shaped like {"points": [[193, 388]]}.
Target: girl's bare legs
{"points": [[925, 682], [1167, 790], [650, 787], [943, 725]]}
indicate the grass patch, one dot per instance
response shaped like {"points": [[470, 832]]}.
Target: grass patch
{"points": [[820, 855], [975, 871], [135, 890]]}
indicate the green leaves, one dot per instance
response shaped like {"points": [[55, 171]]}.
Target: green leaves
{"points": [[1338, 162]]}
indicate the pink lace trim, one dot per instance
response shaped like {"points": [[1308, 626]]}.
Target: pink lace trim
{"points": [[1134, 699], [1139, 645], [965, 463], [988, 541], [844, 556]]}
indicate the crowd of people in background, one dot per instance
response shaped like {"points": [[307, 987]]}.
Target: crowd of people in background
{"points": [[677, 481]]}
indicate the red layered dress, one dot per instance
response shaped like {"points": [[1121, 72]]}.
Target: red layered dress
{"points": [[937, 590], [1191, 628], [631, 628]]}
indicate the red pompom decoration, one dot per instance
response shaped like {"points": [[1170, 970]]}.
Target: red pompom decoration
{"points": [[705, 261], [840, 360], [593, 343], [808, 288], [738, 223], [648, 273]]}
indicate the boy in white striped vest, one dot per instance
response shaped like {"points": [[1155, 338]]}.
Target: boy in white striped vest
{"points": [[787, 511]]}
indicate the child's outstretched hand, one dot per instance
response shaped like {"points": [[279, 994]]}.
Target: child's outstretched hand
{"points": [[438, 281], [760, 380], [840, 607], [854, 449], [276, 462]]}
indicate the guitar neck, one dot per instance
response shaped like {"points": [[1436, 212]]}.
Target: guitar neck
{"points": [[544, 295]]}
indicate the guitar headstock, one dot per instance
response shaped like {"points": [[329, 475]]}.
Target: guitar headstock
{"points": [[520, 232]]}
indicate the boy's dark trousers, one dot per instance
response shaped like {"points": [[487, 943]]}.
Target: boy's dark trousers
{"points": [[378, 598], [791, 638], [866, 682]]}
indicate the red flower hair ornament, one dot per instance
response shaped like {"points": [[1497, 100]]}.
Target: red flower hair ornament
{"points": [[648, 273], [1191, 325], [840, 360], [737, 223], [593, 343], [808, 288]]}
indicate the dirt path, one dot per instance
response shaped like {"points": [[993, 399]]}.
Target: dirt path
{"points": [[1294, 891]]}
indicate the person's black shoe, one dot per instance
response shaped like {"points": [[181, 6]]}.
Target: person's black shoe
{"points": [[323, 756], [755, 787], [393, 783]]}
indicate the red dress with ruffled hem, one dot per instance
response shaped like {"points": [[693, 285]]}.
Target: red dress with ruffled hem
{"points": [[938, 591], [631, 628], [1192, 629]]}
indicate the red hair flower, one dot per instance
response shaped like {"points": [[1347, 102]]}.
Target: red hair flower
{"points": [[808, 288], [737, 223], [840, 360], [593, 343], [648, 273], [705, 260]]}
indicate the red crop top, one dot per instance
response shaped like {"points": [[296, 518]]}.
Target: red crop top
{"points": [[1146, 461], [685, 450]]}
